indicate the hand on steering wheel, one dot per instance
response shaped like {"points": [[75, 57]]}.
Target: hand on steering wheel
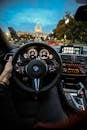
{"points": [[7, 72]]}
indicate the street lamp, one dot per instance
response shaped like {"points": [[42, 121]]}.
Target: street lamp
{"points": [[67, 21], [7, 34]]}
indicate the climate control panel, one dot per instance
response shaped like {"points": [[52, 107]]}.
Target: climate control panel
{"points": [[74, 65]]}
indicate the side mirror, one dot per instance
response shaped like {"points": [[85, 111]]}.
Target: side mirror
{"points": [[81, 13]]}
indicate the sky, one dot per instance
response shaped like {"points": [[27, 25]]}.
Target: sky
{"points": [[23, 15]]}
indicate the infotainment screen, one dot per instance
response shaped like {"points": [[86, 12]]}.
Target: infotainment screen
{"points": [[71, 50]]}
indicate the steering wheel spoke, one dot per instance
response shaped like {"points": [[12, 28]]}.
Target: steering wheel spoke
{"points": [[36, 84], [53, 67]]}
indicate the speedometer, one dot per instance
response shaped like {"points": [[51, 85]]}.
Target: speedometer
{"points": [[44, 54], [32, 53]]}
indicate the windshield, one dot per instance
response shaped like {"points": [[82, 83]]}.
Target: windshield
{"points": [[52, 21]]}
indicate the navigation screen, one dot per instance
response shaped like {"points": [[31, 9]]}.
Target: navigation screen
{"points": [[71, 50]]}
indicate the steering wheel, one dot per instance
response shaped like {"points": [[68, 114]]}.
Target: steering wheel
{"points": [[38, 72]]}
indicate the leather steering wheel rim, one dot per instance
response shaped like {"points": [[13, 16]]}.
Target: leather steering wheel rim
{"points": [[23, 86]]}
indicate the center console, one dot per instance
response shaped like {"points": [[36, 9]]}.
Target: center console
{"points": [[76, 96], [74, 72]]}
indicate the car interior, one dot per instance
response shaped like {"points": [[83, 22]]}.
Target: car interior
{"points": [[48, 83]]}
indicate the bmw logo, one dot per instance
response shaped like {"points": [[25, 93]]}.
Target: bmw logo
{"points": [[35, 68]]}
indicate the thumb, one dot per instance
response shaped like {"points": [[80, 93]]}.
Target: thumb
{"points": [[10, 59]]}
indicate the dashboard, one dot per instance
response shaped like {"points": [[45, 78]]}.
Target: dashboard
{"points": [[73, 58], [74, 67]]}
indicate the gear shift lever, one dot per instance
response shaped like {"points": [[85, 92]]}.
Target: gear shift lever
{"points": [[81, 91], [79, 98]]}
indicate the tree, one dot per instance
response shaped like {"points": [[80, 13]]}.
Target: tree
{"points": [[73, 30], [13, 33], [60, 29]]}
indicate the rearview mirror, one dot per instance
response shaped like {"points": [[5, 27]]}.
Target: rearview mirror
{"points": [[81, 13], [81, 1]]}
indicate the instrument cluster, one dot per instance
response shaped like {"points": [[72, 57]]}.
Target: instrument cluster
{"points": [[33, 53], [42, 54]]}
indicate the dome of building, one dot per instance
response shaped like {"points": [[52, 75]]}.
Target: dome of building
{"points": [[38, 28]]}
